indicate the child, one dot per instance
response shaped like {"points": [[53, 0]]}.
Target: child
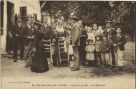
{"points": [[90, 50], [90, 34], [98, 44], [100, 30], [105, 50], [60, 29], [95, 28], [120, 42]]}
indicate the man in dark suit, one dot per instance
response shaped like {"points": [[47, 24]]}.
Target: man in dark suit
{"points": [[75, 35], [19, 40], [15, 34], [111, 34]]}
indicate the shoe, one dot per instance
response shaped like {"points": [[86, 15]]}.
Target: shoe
{"points": [[26, 66], [107, 66], [75, 69], [72, 68], [102, 66], [23, 58], [14, 57], [15, 60]]}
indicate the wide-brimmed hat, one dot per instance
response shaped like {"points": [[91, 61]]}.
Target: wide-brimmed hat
{"points": [[73, 16]]}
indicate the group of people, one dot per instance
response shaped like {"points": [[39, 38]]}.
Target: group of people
{"points": [[104, 46], [87, 44], [28, 40]]}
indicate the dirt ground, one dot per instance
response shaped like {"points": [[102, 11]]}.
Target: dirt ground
{"points": [[93, 77]]}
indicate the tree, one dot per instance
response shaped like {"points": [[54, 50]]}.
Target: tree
{"points": [[120, 13]]}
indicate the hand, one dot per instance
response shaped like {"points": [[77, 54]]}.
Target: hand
{"points": [[10, 35], [119, 43], [17, 35], [115, 45], [34, 49], [73, 45]]}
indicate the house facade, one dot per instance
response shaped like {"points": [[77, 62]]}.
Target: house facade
{"points": [[9, 9]]}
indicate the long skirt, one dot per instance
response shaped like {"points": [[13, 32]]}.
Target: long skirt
{"points": [[39, 64], [39, 61]]}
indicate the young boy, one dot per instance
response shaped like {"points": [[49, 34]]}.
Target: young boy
{"points": [[120, 42], [97, 53], [105, 50]]}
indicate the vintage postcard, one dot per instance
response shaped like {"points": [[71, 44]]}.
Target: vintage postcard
{"points": [[67, 44]]}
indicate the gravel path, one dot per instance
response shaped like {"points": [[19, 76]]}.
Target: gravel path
{"points": [[91, 75]]}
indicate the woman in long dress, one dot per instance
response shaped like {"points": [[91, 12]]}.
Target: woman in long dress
{"points": [[39, 60]]}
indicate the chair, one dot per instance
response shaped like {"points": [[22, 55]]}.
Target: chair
{"points": [[48, 50], [63, 50]]}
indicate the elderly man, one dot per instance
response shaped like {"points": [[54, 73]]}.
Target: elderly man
{"points": [[75, 35]]}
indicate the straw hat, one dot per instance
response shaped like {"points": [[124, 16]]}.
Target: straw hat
{"points": [[73, 16]]}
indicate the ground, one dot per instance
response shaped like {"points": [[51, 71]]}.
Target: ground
{"points": [[126, 76]]}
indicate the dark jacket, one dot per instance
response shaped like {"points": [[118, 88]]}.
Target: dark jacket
{"points": [[120, 41], [47, 32], [111, 34], [30, 32], [105, 46], [14, 31], [22, 32], [83, 38], [19, 33], [75, 34]]}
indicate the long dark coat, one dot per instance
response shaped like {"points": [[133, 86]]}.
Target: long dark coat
{"points": [[39, 61]]}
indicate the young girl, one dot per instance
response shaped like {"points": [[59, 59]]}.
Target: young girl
{"points": [[90, 34], [60, 29], [100, 30], [90, 50]]}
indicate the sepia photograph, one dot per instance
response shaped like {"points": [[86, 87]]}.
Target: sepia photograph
{"points": [[67, 44]]}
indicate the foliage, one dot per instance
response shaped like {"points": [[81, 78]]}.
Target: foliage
{"points": [[120, 13]]}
